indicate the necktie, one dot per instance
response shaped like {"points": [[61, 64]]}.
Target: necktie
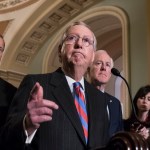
{"points": [[81, 107]]}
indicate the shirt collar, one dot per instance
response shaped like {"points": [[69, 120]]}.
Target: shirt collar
{"points": [[71, 81]]}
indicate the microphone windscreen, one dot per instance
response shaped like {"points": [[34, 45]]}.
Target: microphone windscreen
{"points": [[115, 72]]}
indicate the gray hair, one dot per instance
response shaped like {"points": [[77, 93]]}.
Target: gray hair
{"points": [[78, 23], [111, 60]]}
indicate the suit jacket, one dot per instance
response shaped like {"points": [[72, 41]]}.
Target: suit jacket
{"points": [[115, 115], [65, 131], [7, 92]]}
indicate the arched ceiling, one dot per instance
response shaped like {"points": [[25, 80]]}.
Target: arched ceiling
{"points": [[108, 30], [28, 25]]}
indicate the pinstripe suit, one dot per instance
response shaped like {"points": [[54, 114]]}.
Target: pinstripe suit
{"points": [[65, 131]]}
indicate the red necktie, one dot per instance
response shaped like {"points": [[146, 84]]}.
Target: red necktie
{"points": [[81, 107]]}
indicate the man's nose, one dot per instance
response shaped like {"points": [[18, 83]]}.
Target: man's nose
{"points": [[78, 43], [103, 67]]}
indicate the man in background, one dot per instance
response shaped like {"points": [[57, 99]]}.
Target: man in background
{"points": [[100, 73], [7, 90]]}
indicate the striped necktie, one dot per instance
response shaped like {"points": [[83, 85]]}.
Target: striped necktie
{"points": [[80, 104]]}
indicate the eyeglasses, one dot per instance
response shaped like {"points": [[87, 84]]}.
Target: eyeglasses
{"points": [[71, 39]]}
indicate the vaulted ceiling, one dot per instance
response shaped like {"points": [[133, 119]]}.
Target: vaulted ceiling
{"points": [[32, 29]]}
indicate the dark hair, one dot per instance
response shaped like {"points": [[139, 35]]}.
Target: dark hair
{"points": [[140, 93]]}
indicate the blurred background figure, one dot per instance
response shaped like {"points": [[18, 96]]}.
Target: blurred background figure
{"points": [[99, 74], [7, 90], [141, 103]]}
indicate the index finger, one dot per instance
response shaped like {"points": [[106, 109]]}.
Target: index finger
{"points": [[36, 92]]}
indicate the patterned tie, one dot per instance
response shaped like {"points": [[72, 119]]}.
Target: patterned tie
{"points": [[81, 107]]}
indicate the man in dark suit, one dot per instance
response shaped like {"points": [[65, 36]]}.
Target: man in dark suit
{"points": [[7, 90], [100, 73], [43, 115]]}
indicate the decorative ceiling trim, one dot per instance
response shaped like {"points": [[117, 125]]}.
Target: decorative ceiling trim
{"points": [[49, 25], [86, 16], [11, 5], [12, 76]]}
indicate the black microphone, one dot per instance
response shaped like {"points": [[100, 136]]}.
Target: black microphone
{"points": [[115, 72]]}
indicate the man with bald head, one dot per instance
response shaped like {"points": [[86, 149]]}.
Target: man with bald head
{"points": [[100, 73]]}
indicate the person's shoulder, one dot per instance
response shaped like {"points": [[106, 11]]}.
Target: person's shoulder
{"points": [[56, 72], [6, 85], [92, 89], [112, 97]]}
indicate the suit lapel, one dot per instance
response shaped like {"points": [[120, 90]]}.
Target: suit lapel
{"points": [[65, 98]]}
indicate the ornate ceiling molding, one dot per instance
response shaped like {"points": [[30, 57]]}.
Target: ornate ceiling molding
{"points": [[10, 5], [12, 77], [48, 26]]}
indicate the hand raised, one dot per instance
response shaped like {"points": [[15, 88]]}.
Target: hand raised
{"points": [[38, 109]]}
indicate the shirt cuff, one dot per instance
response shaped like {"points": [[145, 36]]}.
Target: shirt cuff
{"points": [[28, 138]]}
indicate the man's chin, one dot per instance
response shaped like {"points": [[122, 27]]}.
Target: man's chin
{"points": [[100, 82]]}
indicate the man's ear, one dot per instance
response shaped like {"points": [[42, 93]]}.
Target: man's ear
{"points": [[87, 74]]}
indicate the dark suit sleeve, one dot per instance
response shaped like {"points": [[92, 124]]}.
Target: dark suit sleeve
{"points": [[115, 114], [13, 136], [7, 92]]}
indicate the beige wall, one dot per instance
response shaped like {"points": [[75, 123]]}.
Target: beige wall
{"points": [[148, 39], [136, 11]]}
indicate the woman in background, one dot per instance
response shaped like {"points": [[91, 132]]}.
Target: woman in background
{"points": [[141, 122]]}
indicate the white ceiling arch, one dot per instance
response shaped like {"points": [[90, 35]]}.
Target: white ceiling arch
{"points": [[110, 25], [45, 18]]}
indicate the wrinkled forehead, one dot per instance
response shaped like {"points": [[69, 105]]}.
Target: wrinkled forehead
{"points": [[102, 57], [80, 30]]}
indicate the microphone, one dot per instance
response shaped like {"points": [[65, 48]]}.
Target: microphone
{"points": [[115, 72]]}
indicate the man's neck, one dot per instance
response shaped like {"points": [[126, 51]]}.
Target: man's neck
{"points": [[75, 73], [100, 87]]}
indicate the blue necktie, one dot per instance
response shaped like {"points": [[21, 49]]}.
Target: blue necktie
{"points": [[81, 107]]}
